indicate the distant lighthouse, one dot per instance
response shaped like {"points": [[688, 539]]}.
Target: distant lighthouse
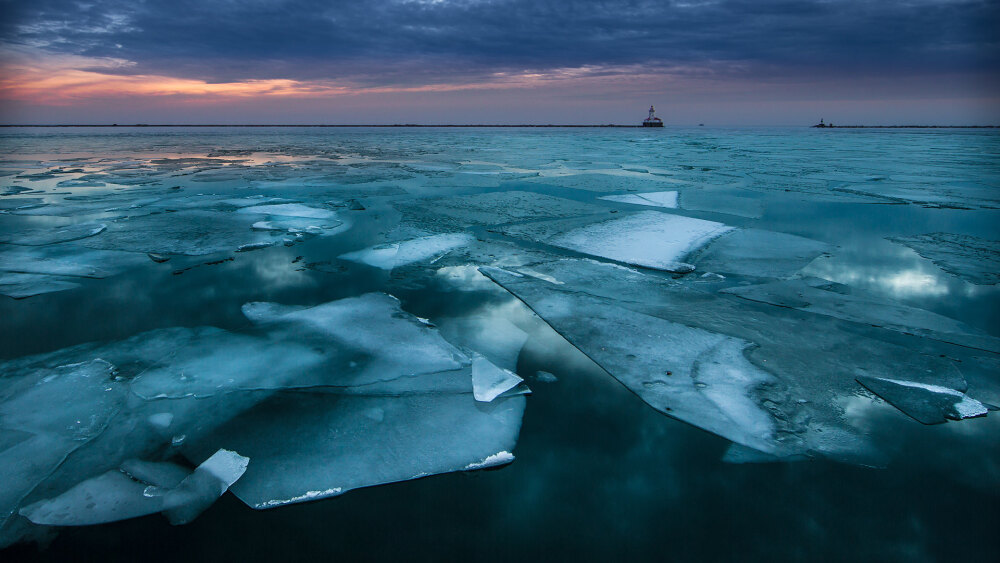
{"points": [[652, 120]]}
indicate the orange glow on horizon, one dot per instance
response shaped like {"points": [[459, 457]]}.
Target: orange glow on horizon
{"points": [[64, 81]]}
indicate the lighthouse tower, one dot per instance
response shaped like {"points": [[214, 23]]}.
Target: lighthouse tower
{"points": [[652, 120]]}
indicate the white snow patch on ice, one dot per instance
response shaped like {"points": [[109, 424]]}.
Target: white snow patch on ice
{"points": [[308, 495], [499, 458], [651, 239]]}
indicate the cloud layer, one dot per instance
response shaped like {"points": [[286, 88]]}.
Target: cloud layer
{"points": [[424, 41], [60, 52]]}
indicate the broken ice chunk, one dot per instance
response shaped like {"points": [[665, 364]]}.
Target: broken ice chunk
{"points": [[290, 210], [338, 445], [652, 199], [43, 236], [489, 381], [209, 481], [650, 239], [389, 256], [926, 403]]}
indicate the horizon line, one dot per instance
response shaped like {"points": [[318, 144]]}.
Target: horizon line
{"points": [[475, 125]]}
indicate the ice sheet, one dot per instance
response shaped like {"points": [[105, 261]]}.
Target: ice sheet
{"points": [[344, 442], [804, 365]]}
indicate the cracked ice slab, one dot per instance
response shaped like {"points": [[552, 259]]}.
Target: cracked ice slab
{"points": [[649, 239], [926, 403], [343, 442], [366, 339], [811, 361], [392, 255], [973, 259], [51, 412]]}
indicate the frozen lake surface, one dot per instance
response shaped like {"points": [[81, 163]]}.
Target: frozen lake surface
{"points": [[495, 344]]}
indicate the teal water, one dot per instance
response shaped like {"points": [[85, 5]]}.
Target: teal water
{"points": [[598, 475]]}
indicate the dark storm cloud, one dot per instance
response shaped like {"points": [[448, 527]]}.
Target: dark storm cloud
{"points": [[411, 41]]}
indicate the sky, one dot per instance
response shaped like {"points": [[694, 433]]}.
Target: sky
{"points": [[718, 62]]}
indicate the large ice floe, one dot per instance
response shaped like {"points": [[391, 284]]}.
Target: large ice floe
{"points": [[372, 394], [767, 378]]}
